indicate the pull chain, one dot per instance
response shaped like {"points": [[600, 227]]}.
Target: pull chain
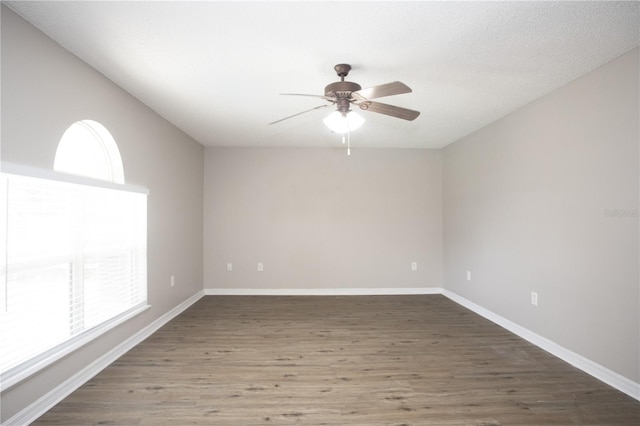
{"points": [[348, 141], [346, 122]]}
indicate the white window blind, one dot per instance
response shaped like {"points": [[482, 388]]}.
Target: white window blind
{"points": [[73, 259]]}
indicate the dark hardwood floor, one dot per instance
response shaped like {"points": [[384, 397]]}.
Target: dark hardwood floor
{"points": [[352, 360]]}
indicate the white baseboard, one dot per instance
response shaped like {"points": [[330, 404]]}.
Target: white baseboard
{"points": [[320, 291], [42, 405], [594, 369]]}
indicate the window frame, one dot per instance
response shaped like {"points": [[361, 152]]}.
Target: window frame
{"points": [[31, 366]]}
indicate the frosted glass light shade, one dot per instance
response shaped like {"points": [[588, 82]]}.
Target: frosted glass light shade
{"points": [[343, 124]]}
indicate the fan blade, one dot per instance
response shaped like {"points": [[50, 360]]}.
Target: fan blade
{"points": [[300, 113], [389, 89], [392, 110]]}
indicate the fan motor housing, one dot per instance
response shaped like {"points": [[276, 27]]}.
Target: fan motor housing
{"points": [[341, 89]]}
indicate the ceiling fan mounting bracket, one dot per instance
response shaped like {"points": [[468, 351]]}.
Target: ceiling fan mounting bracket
{"points": [[342, 70]]}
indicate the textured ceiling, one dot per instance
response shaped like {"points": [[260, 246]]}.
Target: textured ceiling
{"points": [[215, 69]]}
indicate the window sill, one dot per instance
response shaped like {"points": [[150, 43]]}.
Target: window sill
{"points": [[28, 368]]}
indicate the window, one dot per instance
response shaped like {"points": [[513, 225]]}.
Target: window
{"points": [[88, 149], [74, 257]]}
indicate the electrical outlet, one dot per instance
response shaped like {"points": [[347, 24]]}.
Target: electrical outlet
{"points": [[173, 280], [468, 275], [534, 298], [229, 266], [260, 267], [414, 266]]}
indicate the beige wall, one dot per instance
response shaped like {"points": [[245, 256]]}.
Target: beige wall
{"points": [[525, 209], [44, 90], [319, 219]]}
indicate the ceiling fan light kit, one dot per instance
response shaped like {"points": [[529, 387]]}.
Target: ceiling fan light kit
{"points": [[339, 122], [343, 94]]}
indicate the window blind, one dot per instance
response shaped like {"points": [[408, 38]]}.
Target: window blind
{"points": [[73, 259]]}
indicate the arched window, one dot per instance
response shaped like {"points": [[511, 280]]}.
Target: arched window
{"points": [[88, 149], [73, 251]]}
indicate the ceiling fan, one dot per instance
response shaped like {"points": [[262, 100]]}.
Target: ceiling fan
{"points": [[343, 94]]}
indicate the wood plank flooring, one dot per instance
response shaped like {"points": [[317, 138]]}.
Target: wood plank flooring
{"points": [[352, 360]]}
